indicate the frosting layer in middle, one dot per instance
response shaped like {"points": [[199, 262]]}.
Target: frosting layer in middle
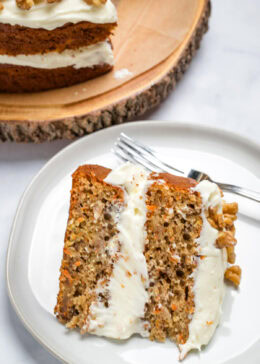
{"points": [[97, 54]]}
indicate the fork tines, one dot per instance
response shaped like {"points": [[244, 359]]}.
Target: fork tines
{"points": [[129, 149]]}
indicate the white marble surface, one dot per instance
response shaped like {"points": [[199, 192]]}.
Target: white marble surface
{"points": [[221, 88]]}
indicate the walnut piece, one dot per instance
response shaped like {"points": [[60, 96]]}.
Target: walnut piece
{"points": [[215, 219], [230, 208], [212, 223], [229, 220], [233, 274], [225, 239], [1, 6], [231, 256], [25, 4], [95, 2]]}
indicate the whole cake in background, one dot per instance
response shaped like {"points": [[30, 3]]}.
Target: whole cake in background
{"points": [[47, 44], [146, 253]]}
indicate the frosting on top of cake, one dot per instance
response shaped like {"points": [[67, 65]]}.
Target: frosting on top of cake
{"points": [[127, 286], [52, 16], [209, 287]]}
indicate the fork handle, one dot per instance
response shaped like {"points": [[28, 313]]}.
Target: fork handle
{"points": [[252, 195]]}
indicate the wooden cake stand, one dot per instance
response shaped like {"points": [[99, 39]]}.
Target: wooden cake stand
{"points": [[25, 123]]}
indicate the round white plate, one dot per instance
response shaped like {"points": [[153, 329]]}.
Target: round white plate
{"points": [[36, 243]]}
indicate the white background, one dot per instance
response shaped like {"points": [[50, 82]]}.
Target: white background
{"points": [[221, 88]]}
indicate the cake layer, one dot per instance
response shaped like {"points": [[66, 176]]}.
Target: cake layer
{"points": [[19, 79], [94, 55], [173, 224], [15, 40], [52, 16], [86, 260]]}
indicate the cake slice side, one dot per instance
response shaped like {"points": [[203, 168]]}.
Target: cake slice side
{"points": [[86, 259]]}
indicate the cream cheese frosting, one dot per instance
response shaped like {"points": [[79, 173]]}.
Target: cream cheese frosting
{"points": [[96, 54], [209, 288], [52, 16], [127, 287]]}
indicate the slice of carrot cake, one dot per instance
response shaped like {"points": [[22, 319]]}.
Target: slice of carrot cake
{"points": [[46, 44], [146, 253]]}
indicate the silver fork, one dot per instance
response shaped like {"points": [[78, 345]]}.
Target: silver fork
{"points": [[129, 149]]}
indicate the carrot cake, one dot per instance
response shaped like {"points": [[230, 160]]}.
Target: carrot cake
{"points": [[46, 44], [146, 253]]}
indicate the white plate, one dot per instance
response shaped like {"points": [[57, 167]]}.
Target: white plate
{"points": [[36, 242]]}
